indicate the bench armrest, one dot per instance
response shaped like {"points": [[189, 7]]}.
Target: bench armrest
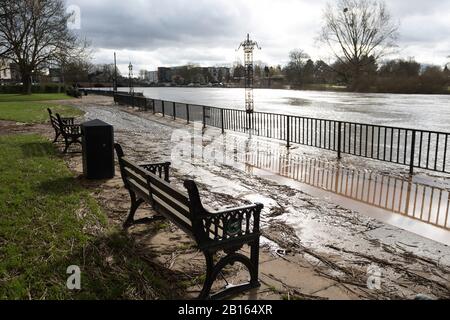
{"points": [[232, 223], [71, 129], [68, 121], [159, 169]]}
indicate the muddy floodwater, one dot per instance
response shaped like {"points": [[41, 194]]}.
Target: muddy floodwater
{"points": [[415, 111], [323, 219], [420, 204]]}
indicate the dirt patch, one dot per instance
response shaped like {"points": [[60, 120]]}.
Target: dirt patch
{"points": [[12, 127]]}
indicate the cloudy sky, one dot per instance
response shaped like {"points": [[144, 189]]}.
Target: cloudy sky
{"points": [[154, 33]]}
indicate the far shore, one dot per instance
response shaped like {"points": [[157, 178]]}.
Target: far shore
{"points": [[329, 88]]}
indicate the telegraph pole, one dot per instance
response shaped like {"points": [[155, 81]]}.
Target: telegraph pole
{"points": [[249, 46], [115, 74], [130, 78]]}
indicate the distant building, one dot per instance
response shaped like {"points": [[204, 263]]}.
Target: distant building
{"points": [[9, 72], [150, 76], [219, 74], [55, 75], [164, 75], [193, 74]]}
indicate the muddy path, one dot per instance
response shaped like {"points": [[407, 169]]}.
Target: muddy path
{"points": [[353, 255]]}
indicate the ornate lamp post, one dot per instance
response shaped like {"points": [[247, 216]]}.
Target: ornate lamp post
{"points": [[249, 46], [130, 78]]}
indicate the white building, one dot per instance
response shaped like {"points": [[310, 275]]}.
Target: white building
{"points": [[5, 70], [151, 76], [8, 71]]}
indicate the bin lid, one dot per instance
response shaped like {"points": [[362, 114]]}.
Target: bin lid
{"points": [[95, 123]]}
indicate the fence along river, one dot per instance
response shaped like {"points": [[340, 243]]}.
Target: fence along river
{"points": [[414, 148], [423, 202]]}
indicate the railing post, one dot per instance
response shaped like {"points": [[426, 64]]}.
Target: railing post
{"points": [[288, 131], [174, 111], [204, 117], [413, 152], [339, 139], [221, 121], [153, 106], [187, 113], [145, 105], [163, 108]]}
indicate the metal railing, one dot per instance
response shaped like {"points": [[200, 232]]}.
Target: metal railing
{"points": [[425, 201], [422, 149]]}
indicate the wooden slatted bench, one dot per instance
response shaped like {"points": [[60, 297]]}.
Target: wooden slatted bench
{"points": [[70, 132], [227, 231], [55, 124]]}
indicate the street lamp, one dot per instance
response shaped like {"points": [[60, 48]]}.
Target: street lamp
{"points": [[130, 78]]}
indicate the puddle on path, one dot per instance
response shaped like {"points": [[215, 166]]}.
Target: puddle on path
{"points": [[418, 204]]}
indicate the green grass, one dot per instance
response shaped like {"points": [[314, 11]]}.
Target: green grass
{"points": [[33, 97], [49, 222], [33, 108]]}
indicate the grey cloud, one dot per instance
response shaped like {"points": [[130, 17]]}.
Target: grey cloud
{"points": [[154, 24], [175, 31]]}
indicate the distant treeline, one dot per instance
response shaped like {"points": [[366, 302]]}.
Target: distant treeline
{"points": [[301, 72], [393, 76]]}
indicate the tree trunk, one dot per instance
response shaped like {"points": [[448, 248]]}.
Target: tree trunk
{"points": [[356, 79], [26, 80]]}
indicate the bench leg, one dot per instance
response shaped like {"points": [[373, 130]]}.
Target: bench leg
{"points": [[254, 258], [67, 145], [212, 272], [57, 134], [209, 257], [135, 204]]}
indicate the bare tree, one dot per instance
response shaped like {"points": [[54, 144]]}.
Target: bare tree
{"points": [[36, 34], [358, 32], [295, 67]]}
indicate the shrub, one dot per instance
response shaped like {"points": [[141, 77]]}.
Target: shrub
{"points": [[43, 88]]}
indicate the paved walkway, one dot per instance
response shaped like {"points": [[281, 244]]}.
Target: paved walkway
{"points": [[313, 248]]}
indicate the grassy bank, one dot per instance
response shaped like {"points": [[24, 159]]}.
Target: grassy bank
{"points": [[33, 97], [33, 108], [48, 222]]}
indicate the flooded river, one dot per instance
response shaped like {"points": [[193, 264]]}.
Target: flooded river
{"points": [[414, 111], [422, 207]]}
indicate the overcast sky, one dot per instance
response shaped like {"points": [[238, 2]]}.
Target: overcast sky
{"points": [[154, 33]]}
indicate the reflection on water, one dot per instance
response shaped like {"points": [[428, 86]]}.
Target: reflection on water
{"points": [[417, 200], [423, 202]]}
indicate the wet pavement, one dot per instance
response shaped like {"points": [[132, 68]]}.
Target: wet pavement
{"points": [[316, 218]]}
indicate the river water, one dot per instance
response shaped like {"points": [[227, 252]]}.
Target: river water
{"points": [[429, 112]]}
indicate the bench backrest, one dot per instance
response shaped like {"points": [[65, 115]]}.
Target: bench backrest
{"points": [[184, 209], [172, 202], [54, 120], [151, 187]]}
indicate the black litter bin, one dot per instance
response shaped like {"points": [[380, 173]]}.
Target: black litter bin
{"points": [[98, 150]]}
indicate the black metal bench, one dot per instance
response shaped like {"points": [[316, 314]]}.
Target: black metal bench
{"points": [[55, 124], [69, 131], [226, 231]]}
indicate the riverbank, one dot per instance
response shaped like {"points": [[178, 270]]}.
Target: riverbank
{"points": [[310, 87], [313, 248], [49, 222]]}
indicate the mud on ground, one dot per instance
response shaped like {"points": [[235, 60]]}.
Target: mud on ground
{"points": [[313, 249]]}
